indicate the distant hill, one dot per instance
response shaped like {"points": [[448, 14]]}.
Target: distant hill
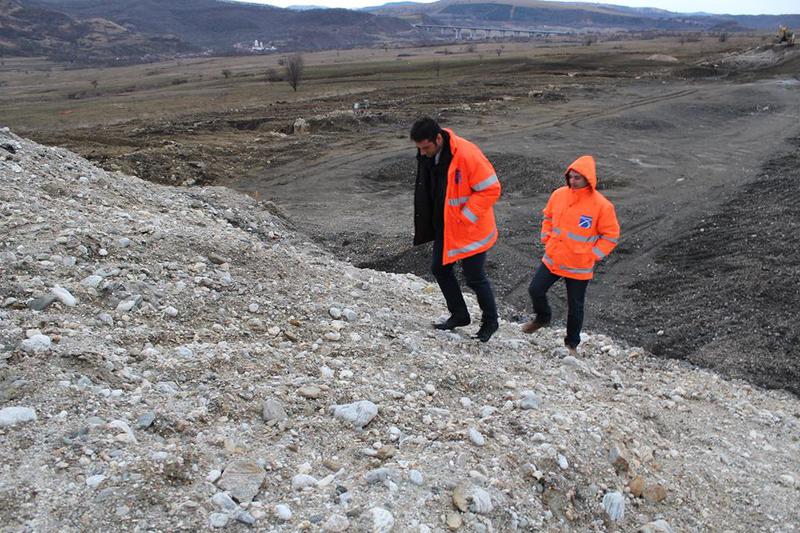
{"points": [[36, 31], [219, 25], [576, 16], [140, 30]]}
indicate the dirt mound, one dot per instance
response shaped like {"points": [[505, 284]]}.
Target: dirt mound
{"points": [[349, 121], [759, 58], [662, 58], [524, 175], [734, 280], [177, 359], [398, 173]]}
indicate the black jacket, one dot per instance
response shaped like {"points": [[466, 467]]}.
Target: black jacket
{"points": [[430, 191]]}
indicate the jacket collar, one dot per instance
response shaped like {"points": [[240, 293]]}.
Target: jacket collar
{"points": [[455, 140]]}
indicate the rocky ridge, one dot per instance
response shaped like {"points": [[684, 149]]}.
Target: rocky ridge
{"points": [[176, 358]]}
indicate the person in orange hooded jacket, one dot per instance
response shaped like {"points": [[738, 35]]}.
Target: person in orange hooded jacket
{"points": [[455, 190], [579, 228]]}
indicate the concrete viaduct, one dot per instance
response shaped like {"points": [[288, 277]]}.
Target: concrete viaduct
{"points": [[473, 31]]}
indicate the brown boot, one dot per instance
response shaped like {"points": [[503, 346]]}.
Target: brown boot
{"points": [[573, 350], [532, 325]]}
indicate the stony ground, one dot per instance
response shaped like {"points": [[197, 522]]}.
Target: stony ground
{"points": [[176, 359]]}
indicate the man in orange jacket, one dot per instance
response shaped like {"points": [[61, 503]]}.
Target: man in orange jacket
{"points": [[579, 228], [455, 190]]}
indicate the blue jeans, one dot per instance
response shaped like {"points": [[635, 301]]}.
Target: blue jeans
{"points": [[542, 280], [477, 280]]}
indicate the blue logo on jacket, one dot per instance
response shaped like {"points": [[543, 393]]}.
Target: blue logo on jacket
{"points": [[458, 176], [585, 222]]}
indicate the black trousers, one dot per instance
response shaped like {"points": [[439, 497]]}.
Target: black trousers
{"points": [[542, 280], [477, 280]]}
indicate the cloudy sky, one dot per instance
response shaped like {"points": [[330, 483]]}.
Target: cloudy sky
{"points": [[733, 7]]}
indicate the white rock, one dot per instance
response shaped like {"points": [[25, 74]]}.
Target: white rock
{"points": [[301, 481], [415, 476], [657, 526], [382, 520], [530, 400], [788, 480], [358, 413], [64, 296], [563, 464], [614, 504], [126, 305], [224, 502], [283, 512], [91, 281], [213, 476], [218, 520], [184, 351], [481, 501], [487, 411], [127, 433], [476, 437], [159, 457], [336, 523], [13, 415], [170, 311], [94, 481], [36, 344], [335, 313]]}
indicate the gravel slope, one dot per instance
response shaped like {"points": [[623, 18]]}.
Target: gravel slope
{"points": [[183, 368]]}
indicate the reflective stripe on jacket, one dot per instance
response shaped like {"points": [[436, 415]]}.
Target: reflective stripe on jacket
{"points": [[472, 190], [580, 226]]}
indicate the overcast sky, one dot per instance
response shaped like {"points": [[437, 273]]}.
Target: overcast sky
{"points": [[733, 7]]}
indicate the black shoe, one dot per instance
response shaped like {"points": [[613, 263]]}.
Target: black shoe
{"points": [[486, 331], [453, 322]]}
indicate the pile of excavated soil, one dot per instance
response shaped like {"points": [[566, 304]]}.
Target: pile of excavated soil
{"points": [[733, 280], [177, 359]]}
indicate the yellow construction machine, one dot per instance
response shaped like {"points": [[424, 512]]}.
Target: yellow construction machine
{"points": [[784, 36]]}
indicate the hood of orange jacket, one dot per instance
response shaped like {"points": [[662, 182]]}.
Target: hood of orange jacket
{"points": [[585, 166]]}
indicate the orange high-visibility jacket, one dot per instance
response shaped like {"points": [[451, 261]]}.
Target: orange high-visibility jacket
{"points": [[580, 226], [472, 190]]}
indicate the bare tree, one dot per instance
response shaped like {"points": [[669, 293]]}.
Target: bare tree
{"points": [[294, 70]]}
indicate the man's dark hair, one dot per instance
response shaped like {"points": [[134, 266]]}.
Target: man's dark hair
{"points": [[425, 129]]}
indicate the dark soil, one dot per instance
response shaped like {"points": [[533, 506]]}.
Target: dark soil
{"points": [[725, 292]]}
